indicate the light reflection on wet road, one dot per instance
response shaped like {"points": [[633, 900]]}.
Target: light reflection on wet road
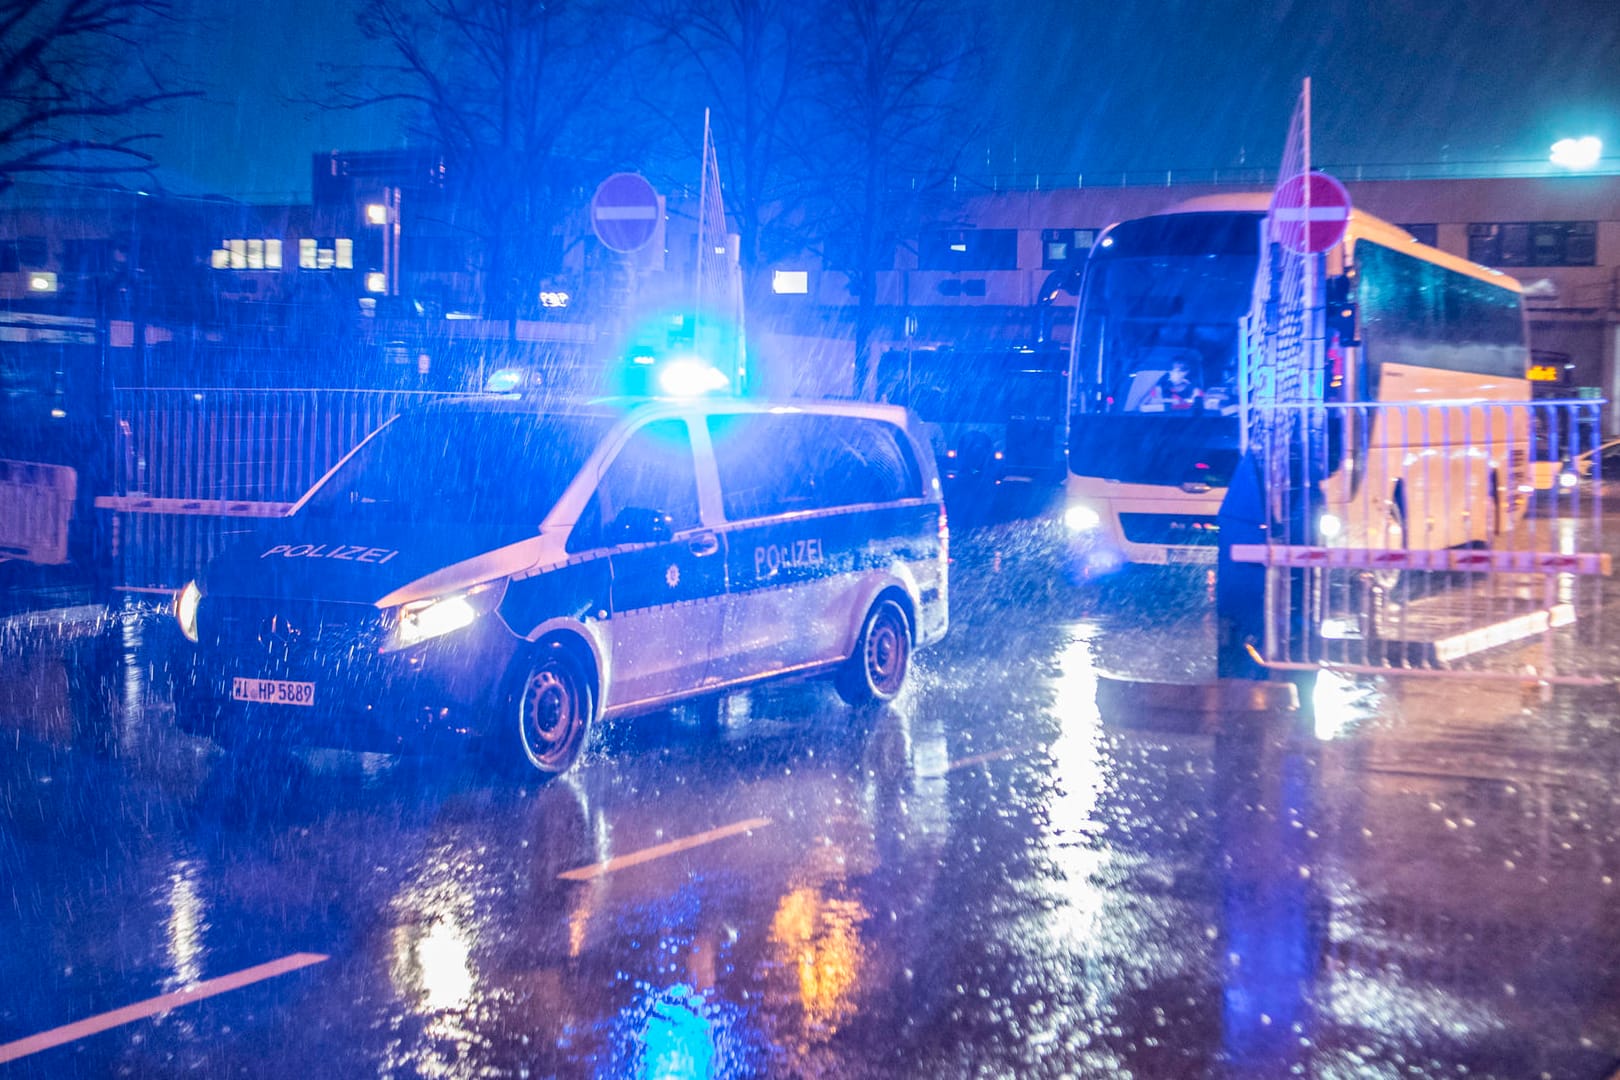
{"points": [[988, 879]]}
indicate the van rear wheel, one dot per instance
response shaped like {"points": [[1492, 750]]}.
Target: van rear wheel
{"points": [[877, 669], [547, 717]]}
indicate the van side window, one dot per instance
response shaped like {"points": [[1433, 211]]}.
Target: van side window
{"points": [[761, 463], [863, 461], [652, 471], [780, 463]]}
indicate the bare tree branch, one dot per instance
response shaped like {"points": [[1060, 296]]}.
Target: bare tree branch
{"points": [[889, 80], [510, 92], [73, 75]]}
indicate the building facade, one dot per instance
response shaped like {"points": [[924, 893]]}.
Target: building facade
{"points": [[381, 261], [994, 271]]}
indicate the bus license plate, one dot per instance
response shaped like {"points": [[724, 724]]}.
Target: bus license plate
{"points": [[273, 691]]}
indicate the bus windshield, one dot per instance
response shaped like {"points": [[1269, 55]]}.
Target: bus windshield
{"points": [[1160, 313]]}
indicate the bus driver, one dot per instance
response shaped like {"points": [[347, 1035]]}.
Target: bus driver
{"points": [[1175, 391]]}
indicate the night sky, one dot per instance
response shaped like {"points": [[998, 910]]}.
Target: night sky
{"points": [[1079, 85], [259, 65], [1209, 83]]}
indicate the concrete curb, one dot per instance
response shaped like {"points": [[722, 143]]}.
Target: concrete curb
{"points": [[1201, 708], [55, 618]]}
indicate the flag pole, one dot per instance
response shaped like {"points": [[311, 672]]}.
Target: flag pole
{"points": [[703, 222]]}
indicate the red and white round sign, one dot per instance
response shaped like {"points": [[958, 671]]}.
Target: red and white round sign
{"points": [[1314, 224], [624, 212]]}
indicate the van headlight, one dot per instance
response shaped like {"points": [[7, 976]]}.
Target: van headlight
{"points": [[185, 609], [1081, 518], [1329, 526], [422, 620]]}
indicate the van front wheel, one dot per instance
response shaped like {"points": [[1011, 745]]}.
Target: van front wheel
{"points": [[548, 716], [877, 669]]}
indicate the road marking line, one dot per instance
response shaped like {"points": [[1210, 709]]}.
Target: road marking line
{"points": [[208, 988], [989, 755], [636, 858]]}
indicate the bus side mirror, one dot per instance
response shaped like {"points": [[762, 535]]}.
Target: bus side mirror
{"points": [[1341, 321]]}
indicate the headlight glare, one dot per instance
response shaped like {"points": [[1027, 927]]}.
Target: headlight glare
{"points": [[1081, 518], [422, 620], [185, 609]]}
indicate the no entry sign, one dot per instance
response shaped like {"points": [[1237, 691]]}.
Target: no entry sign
{"points": [[624, 212], [1312, 225]]}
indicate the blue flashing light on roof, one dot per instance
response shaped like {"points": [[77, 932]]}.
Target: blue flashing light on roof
{"points": [[691, 377], [504, 381]]}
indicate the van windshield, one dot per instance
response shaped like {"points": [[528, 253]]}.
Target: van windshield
{"points": [[455, 467]]}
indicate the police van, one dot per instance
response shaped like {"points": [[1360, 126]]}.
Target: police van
{"points": [[519, 572]]}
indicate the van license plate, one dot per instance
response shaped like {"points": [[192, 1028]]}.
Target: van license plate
{"points": [[273, 691]]}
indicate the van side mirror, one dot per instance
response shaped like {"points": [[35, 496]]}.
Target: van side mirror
{"points": [[640, 525]]}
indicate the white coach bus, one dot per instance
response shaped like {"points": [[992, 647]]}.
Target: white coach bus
{"points": [[1424, 351]]}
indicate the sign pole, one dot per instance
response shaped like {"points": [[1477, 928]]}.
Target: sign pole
{"points": [[1310, 263]]}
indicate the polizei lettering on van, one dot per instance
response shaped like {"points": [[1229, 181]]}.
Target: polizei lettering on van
{"points": [[347, 552], [769, 559]]}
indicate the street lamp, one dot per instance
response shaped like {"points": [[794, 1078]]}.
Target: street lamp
{"points": [[386, 215], [1577, 155]]}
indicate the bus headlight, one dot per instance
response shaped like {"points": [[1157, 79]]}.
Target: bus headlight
{"points": [[185, 609], [1081, 518], [423, 620]]}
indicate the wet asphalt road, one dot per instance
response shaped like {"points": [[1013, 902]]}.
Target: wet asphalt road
{"points": [[989, 878]]}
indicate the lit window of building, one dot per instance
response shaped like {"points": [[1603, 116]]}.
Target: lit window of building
{"points": [[1535, 243], [790, 281], [1062, 248], [259, 253], [316, 254], [968, 249]]}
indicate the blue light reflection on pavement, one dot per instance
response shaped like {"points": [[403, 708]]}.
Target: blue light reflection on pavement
{"points": [[676, 1033]]}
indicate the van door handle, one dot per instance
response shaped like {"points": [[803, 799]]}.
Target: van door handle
{"points": [[704, 544]]}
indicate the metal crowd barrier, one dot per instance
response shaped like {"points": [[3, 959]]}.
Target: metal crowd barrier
{"points": [[194, 465], [38, 501], [1444, 539]]}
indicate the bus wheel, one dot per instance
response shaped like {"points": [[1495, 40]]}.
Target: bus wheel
{"points": [[877, 669], [548, 715]]}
